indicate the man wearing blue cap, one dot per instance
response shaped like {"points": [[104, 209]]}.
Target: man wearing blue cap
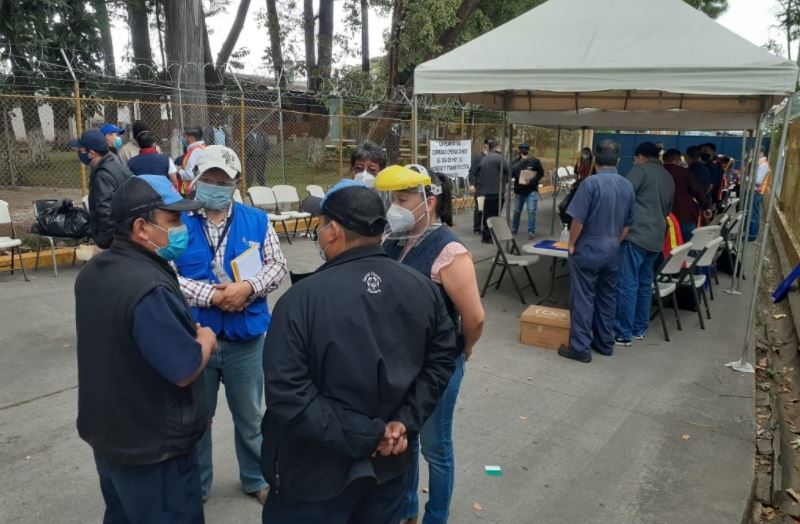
{"points": [[107, 175], [113, 137], [526, 190], [358, 355], [140, 361]]}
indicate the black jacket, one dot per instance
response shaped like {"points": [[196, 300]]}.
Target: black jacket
{"points": [[127, 411], [530, 164], [361, 342], [487, 177], [106, 177]]}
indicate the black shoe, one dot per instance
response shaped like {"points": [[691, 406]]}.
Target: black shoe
{"points": [[604, 353], [575, 355], [477, 232], [486, 241]]}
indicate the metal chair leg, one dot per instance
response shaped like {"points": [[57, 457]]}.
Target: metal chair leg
{"points": [[38, 252], [516, 285], [697, 305], [53, 255], [502, 275], [21, 263], [286, 231], [705, 301], [489, 278], [675, 309], [530, 281], [661, 314]]}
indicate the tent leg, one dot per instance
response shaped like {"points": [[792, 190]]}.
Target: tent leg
{"points": [[415, 125], [510, 186], [742, 364], [555, 184]]}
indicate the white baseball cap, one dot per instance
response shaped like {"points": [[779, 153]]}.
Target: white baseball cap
{"points": [[220, 157]]}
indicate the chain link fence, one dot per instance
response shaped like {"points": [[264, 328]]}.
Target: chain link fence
{"points": [[290, 140]]}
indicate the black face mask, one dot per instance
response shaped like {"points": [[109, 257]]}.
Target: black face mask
{"points": [[705, 157]]}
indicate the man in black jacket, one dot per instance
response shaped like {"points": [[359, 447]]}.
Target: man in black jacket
{"points": [[526, 191], [107, 175], [487, 184], [474, 167], [358, 354], [140, 361]]}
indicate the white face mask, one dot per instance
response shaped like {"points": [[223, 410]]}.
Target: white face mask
{"points": [[400, 219], [366, 178]]}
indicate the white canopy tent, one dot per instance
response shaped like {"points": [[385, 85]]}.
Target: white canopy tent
{"points": [[620, 64]]}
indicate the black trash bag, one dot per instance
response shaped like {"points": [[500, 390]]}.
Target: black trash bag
{"points": [[64, 221]]}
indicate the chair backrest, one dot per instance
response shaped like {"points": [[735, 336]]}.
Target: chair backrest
{"points": [[261, 196], [44, 204], [736, 224], [562, 172], [721, 220], [710, 253], [315, 191], [286, 194], [570, 170], [703, 235], [500, 227], [237, 196], [85, 202], [674, 263], [5, 214]]}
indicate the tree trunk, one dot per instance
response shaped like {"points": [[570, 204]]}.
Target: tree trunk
{"points": [[364, 36], [213, 81], [324, 43], [274, 28], [233, 35], [34, 135], [109, 63], [63, 111], [9, 158], [184, 60], [398, 13], [308, 37], [160, 31], [144, 67], [448, 40]]}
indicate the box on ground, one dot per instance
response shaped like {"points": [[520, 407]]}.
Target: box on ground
{"points": [[544, 327]]}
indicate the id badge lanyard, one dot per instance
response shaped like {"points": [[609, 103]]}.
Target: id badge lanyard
{"points": [[219, 271]]}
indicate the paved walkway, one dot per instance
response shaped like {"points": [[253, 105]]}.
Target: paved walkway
{"points": [[577, 443]]}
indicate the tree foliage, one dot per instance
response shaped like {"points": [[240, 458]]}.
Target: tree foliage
{"points": [[713, 8]]}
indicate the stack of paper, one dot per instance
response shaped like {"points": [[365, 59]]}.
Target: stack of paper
{"points": [[247, 265]]}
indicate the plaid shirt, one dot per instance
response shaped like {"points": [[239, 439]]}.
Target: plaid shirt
{"points": [[198, 293]]}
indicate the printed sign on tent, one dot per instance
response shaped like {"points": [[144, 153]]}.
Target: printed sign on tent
{"points": [[451, 157]]}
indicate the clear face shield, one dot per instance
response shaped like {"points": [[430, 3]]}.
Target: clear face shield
{"points": [[405, 193]]}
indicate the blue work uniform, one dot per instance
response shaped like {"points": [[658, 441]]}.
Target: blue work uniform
{"points": [[604, 205]]}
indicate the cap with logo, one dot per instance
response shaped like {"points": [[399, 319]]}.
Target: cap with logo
{"points": [[111, 128], [143, 193], [219, 157], [92, 141], [356, 207]]}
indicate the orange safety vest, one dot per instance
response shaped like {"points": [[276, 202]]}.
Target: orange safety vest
{"points": [[764, 189], [182, 185], [673, 237]]}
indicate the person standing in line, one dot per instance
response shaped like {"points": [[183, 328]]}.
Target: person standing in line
{"points": [[699, 169], [708, 154], [472, 179], [113, 136], [140, 362], [689, 195], [150, 162], [602, 213], [527, 193], [360, 352], [192, 140], [491, 178], [420, 218], [638, 253], [106, 177], [236, 309], [366, 161], [131, 147], [585, 166], [762, 186]]}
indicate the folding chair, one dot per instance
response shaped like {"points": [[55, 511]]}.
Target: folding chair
{"points": [[705, 262], [687, 278], [701, 237], [287, 195], [507, 259], [40, 206], [315, 191], [13, 243], [263, 198], [664, 287], [730, 235]]}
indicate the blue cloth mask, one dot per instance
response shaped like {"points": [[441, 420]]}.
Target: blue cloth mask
{"points": [[84, 157], [117, 143], [214, 197], [177, 242]]}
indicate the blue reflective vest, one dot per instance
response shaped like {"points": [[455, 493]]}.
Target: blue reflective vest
{"points": [[248, 226]]}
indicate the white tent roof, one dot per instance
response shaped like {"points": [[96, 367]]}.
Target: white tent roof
{"points": [[637, 120], [616, 55]]}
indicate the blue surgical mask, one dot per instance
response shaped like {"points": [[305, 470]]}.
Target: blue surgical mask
{"points": [[214, 197], [319, 247], [84, 157], [177, 242], [184, 142], [117, 143]]}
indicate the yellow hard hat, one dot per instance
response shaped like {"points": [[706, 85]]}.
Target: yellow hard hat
{"points": [[397, 178]]}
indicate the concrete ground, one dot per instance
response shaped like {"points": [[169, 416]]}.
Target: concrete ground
{"points": [[658, 433]]}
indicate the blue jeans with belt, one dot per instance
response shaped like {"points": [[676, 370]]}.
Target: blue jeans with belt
{"points": [[532, 201], [635, 290], [237, 364], [436, 437]]}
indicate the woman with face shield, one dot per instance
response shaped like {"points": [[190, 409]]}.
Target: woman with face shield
{"points": [[419, 214]]}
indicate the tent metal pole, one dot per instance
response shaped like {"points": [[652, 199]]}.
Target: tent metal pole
{"points": [[555, 183], [510, 186], [747, 186], [415, 124], [742, 365]]}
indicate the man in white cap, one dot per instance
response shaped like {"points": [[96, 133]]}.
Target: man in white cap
{"points": [[232, 304]]}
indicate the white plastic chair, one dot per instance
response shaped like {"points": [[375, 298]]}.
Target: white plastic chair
{"points": [[664, 285], [13, 243], [697, 280], [571, 170], [263, 198], [508, 258], [287, 196], [315, 191]]}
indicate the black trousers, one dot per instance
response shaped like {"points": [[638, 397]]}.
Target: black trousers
{"points": [[477, 217], [164, 493], [362, 502], [491, 208]]}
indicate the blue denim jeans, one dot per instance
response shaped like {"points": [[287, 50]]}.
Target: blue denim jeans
{"points": [[436, 437], [635, 290], [755, 217], [687, 230], [238, 366], [532, 202]]}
